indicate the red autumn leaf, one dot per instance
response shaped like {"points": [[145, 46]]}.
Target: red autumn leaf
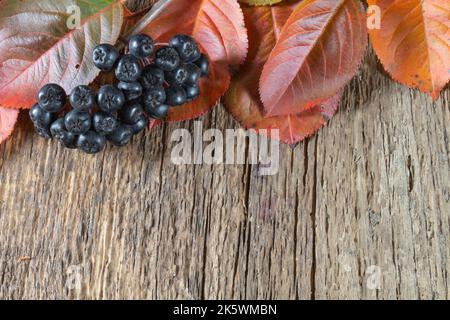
{"points": [[413, 42], [8, 118], [319, 50], [242, 99], [218, 26], [37, 46]]}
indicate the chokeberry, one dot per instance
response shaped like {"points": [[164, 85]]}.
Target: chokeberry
{"points": [[131, 90], [52, 97], [82, 98], [140, 124], [152, 76], [105, 56], [128, 69], [131, 112], [167, 59], [40, 117], [77, 122], [194, 74], [43, 131], [141, 46], [110, 99], [176, 96], [178, 76], [203, 64], [91, 142], [186, 46], [104, 123], [58, 128], [59, 132], [154, 97], [192, 92], [121, 136], [157, 112]]}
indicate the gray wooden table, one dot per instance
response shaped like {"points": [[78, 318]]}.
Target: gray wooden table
{"points": [[361, 210]]}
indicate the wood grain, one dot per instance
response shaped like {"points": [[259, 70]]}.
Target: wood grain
{"points": [[369, 193]]}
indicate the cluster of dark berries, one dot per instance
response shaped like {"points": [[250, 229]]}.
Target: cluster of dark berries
{"points": [[150, 80]]}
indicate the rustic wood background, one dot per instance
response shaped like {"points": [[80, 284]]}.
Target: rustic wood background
{"points": [[366, 199]]}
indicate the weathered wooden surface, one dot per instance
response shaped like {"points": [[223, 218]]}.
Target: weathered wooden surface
{"points": [[370, 193]]}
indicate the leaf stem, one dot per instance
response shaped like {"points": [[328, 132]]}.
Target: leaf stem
{"points": [[154, 12]]}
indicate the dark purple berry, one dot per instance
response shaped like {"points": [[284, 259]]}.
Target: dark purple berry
{"points": [[141, 46], [179, 76], [105, 56], [121, 136], [194, 74], [140, 124], [131, 112], [128, 69], [104, 123], [43, 131], [186, 46], [167, 59], [131, 90], [158, 112], [110, 99], [203, 64], [192, 92], [154, 97], [52, 98], [78, 122], [152, 77], [82, 98], [91, 142], [176, 96], [59, 132], [40, 117]]}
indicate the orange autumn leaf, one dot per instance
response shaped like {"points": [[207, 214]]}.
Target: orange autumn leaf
{"points": [[218, 27], [319, 50], [8, 119], [242, 99], [413, 42]]}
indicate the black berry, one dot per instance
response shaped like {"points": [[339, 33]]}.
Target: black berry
{"points": [[186, 46], [154, 97], [91, 142], [167, 59], [158, 112], [194, 74], [203, 64], [131, 112], [110, 99], [140, 124], [59, 132], [152, 76], [40, 117], [141, 46], [104, 123], [82, 98], [121, 136], [43, 131], [52, 97], [128, 69], [179, 76], [78, 122], [176, 96], [131, 90], [192, 92], [105, 56]]}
